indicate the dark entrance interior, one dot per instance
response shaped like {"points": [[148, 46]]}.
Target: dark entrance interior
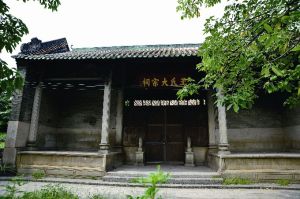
{"points": [[164, 123]]}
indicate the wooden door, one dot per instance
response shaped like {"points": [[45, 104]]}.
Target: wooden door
{"points": [[174, 135], [164, 140], [155, 136]]}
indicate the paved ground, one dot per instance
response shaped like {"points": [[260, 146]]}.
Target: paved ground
{"points": [[113, 192]]}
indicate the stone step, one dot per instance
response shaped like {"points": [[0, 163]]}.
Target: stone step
{"points": [[172, 180], [172, 175], [143, 174]]}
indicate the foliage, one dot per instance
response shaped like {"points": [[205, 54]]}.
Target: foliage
{"points": [[7, 169], [11, 188], [283, 182], [38, 174], [50, 192], [2, 140], [2, 137], [254, 47], [191, 8], [5, 109], [47, 192], [10, 79], [12, 29], [159, 177], [236, 181]]}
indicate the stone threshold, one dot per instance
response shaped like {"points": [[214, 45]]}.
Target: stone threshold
{"points": [[258, 155], [179, 186]]}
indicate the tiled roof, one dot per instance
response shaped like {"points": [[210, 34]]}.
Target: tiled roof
{"points": [[37, 47], [119, 52]]}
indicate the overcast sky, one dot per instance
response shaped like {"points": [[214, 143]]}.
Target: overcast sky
{"points": [[91, 23]]}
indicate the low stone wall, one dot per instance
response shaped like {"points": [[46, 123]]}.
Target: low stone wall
{"points": [[200, 154], [258, 166], [130, 154], [65, 163], [293, 133], [114, 160]]}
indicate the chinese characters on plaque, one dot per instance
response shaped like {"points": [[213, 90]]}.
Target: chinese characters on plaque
{"points": [[154, 82]]}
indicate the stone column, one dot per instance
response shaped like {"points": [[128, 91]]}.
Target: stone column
{"points": [[34, 124], [223, 139], [17, 130], [119, 117], [211, 122], [104, 145]]}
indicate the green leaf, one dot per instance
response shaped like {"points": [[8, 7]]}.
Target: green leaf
{"points": [[235, 108], [277, 71], [284, 19], [265, 72], [296, 48], [268, 28]]}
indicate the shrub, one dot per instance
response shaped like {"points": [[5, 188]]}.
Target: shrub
{"points": [[159, 177], [11, 188], [283, 182], [50, 192], [38, 174]]}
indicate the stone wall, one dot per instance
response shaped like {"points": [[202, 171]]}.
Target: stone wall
{"points": [[258, 129], [291, 124], [70, 120]]}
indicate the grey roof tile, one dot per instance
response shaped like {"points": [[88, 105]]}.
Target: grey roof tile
{"points": [[119, 52]]}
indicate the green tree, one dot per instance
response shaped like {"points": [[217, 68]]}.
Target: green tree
{"points": [[12, 30], [5, 108], [253, 47]]}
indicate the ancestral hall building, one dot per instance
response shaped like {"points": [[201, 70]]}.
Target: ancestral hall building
{"points": [[86, 111]]}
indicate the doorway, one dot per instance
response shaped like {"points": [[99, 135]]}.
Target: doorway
{"points": [[164, 139], [163, 123]]}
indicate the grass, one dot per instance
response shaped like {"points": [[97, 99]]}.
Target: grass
{"points": [[38, 174], [50, 192], [283, 182], [46, 192], [237, 181]]}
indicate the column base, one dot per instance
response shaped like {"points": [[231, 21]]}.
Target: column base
{"points": [[139, 158], [212, 148], [189, 159], [104, 148], [223, 149]]}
